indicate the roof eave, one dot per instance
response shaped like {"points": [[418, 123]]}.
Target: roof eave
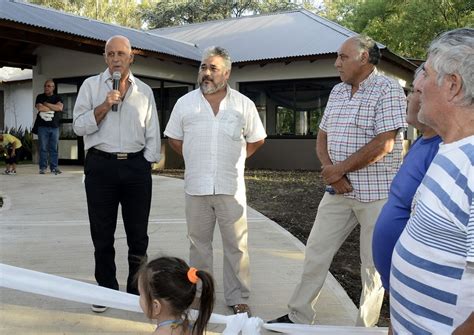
{"points": [[386, 55], [13, 30], [286, 60], [398, 60]]}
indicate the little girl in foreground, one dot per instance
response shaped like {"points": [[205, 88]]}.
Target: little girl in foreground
{"points": [[167, 287]]}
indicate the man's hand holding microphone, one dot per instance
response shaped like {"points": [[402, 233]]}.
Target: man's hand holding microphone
{"points": [[115, 85], [112, 99]]}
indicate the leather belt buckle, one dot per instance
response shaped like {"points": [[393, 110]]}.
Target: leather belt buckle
{"points": [[121, 155]]}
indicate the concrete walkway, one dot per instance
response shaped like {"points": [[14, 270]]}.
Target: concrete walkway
{"points": [[44, 227]]}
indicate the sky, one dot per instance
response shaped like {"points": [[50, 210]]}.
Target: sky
{"points": [[13, 73]]}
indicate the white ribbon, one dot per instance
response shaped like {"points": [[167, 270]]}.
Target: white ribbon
{"points": [[299, 329], [64, 288], [68, 289]]}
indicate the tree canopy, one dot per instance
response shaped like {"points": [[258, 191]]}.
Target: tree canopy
{"points": [[122, 12], [166, 13], [405, 26]]}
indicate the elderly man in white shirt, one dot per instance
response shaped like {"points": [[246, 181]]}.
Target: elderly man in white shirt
{"points": [[121, 144], [216, 128]]}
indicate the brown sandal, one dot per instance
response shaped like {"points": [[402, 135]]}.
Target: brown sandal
{"points": [[241, 308]]}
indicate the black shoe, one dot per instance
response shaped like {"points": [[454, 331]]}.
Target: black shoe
{"points": [[282, 319], [56, 171], [98, 308], [241, 308]]}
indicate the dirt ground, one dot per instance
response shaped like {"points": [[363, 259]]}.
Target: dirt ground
{"points": [[291, 199]]}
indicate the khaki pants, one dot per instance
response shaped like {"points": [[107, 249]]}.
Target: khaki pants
{"points": [[230, 212], [337, 216]]}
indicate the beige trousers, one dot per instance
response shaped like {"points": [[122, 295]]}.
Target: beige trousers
{"points": [[230, 213], [337, 216]]}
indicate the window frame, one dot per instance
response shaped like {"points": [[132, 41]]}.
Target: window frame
{"points": [[257, 91]]}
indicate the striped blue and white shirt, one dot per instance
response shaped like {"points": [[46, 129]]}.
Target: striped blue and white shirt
{"points": [[431, 292]]}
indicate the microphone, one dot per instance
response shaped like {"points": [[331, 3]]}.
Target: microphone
{"points": [[115, 85]]}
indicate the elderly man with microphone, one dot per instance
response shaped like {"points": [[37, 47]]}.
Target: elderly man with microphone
{"points": [[116, 114]]}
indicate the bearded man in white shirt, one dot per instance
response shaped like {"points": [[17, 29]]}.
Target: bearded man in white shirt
{"points": [[215, 128]]}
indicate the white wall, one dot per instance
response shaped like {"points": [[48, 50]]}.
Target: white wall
{"points": [[306, 69], [280, 71], [61, 63], [18, 99]]}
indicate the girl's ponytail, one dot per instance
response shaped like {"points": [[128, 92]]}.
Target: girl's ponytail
{"points": [[206, 305]]}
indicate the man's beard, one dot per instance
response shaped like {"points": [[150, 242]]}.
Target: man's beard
{"points": [[210, 88]]}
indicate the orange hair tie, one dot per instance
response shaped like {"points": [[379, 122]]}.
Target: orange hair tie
{"points": [[192, 275]]}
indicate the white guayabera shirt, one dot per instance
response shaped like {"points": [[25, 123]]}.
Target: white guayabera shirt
{"points": [[215, 146]]}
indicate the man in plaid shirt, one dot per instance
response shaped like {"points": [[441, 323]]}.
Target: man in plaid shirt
{"points": [[359, 145]]}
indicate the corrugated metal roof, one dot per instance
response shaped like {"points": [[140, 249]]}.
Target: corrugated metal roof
{"points": [[250, 38], [42, 17], [269, 36]]}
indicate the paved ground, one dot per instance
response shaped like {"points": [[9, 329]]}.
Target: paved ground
{"points": [[44, 227]]}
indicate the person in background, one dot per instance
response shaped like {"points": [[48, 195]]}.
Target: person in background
{"points": [[11, 145], [49, 106], [432, 273], [216, 128], [121, 146], [396, 212], [168, 287], [359, 145]]}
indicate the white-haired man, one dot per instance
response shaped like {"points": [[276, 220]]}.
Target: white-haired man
{"points": [[216, 128], [432, 274]]}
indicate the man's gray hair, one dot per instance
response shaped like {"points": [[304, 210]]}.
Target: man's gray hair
{"points": [[453, 52], [218, 51], [368, 44], [418, 70]]}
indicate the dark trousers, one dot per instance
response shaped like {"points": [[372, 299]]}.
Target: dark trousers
{"points": [[110, 182], [12, 159]]}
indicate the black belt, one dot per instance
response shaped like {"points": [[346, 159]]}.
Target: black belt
{"points": [[115, 155]]}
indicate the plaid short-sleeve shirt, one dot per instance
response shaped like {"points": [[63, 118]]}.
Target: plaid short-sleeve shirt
{"points": [[378, 106]]}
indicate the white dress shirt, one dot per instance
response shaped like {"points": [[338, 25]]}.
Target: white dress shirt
{"points": [[215, 146], [134, 127]]}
